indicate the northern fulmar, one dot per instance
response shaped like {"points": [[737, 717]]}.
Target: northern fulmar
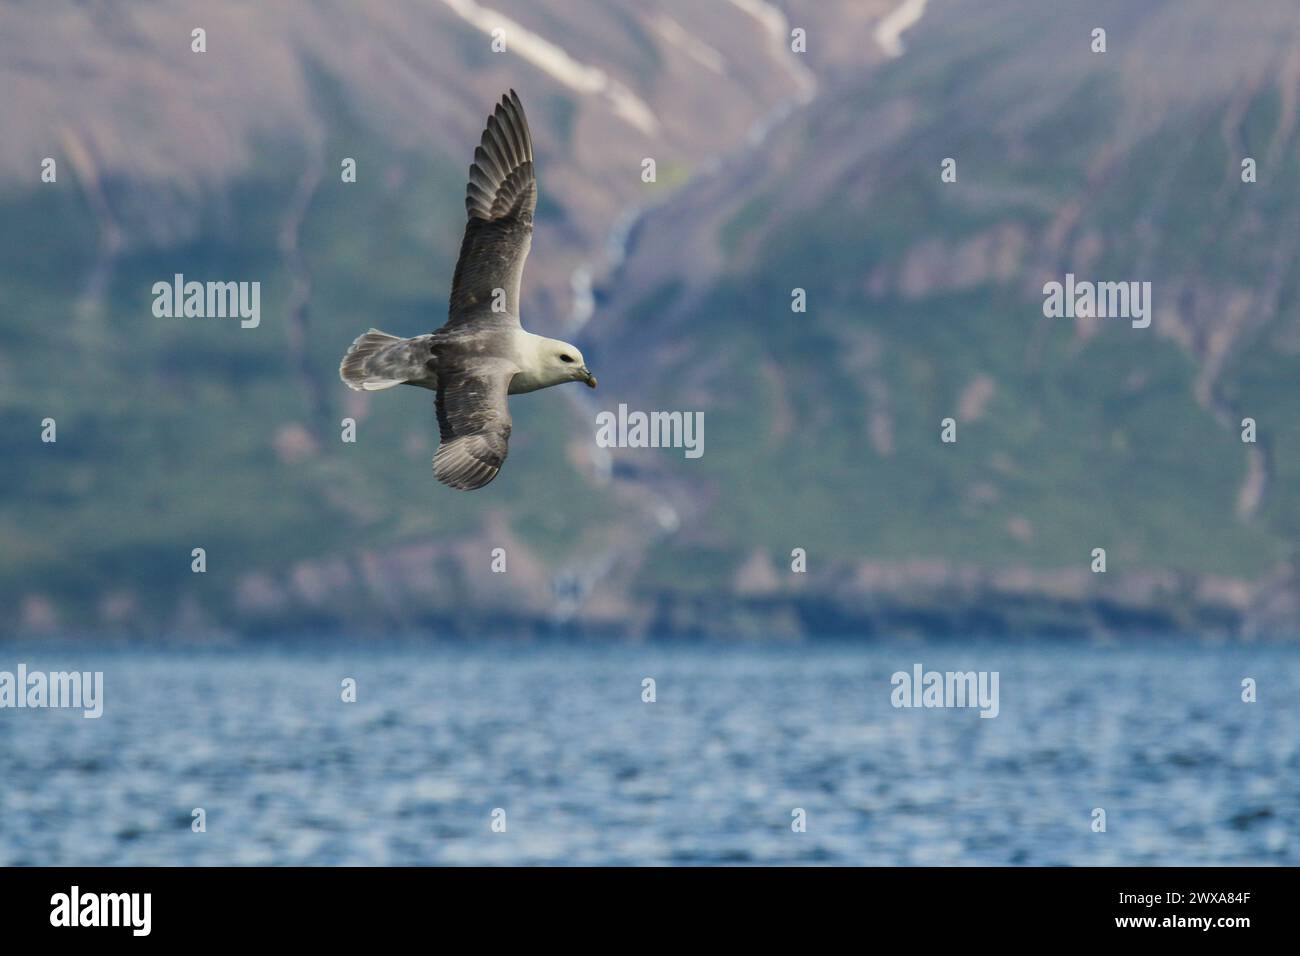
{"points": [[483, 352]]}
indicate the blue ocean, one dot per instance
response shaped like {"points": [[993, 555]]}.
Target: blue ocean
{"points": [[538, 753]]}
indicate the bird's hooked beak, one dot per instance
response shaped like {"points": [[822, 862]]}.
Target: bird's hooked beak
{"points": [[588, 377]]}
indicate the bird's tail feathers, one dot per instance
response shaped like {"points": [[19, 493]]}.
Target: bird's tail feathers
{"points": [[364, 367]]}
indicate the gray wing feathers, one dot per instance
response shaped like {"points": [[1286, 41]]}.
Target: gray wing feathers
{"points": [[500, 198], [474, 424]]}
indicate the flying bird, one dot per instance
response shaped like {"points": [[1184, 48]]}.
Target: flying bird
{"points": [[483, 353]]}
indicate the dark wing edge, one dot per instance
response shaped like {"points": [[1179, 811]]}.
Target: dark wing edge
{"points": [[474, 425], [500, 199]]}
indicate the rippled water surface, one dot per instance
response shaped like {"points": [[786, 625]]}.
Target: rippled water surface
{"points": [[586, 772]]}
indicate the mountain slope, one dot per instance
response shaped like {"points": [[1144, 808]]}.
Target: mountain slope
{"points": [[776, 172], [925, 302], [175, 434]]}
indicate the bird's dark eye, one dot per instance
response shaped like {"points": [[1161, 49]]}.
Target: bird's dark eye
{"points": [[565, 358]]}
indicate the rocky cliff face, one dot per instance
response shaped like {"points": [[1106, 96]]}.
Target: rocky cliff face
{"points": [[925, 301], [776, 172]]}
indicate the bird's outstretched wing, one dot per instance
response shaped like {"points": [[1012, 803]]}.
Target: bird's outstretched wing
{"points": [[474, 423], [500, 199]]}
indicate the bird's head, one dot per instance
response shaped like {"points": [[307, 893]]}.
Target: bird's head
{"points": [[568, 365]]}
